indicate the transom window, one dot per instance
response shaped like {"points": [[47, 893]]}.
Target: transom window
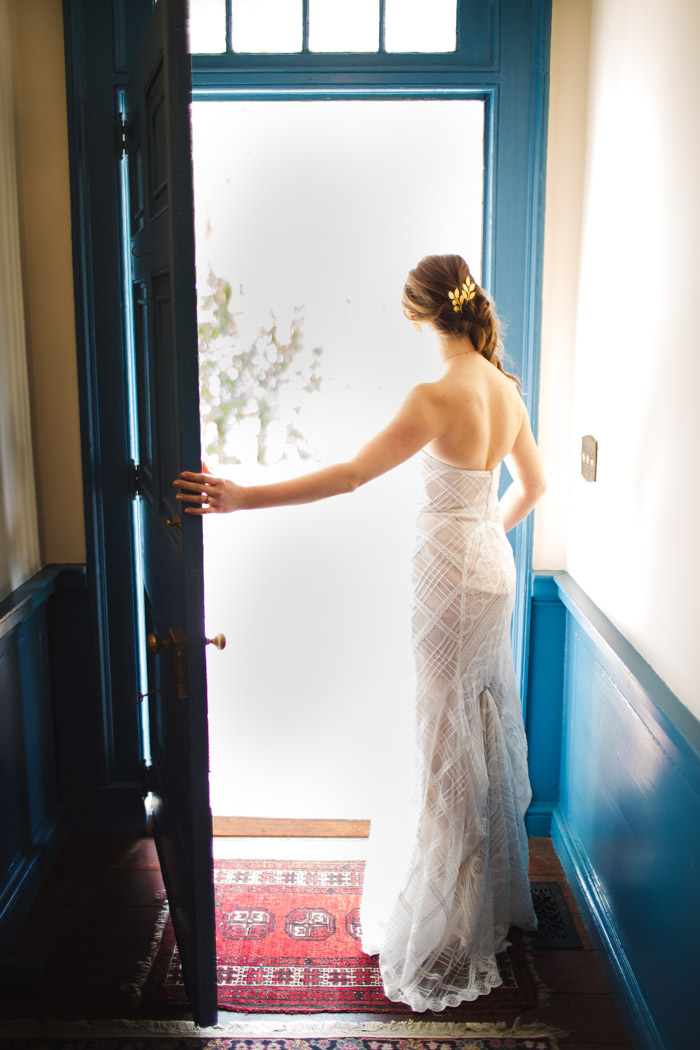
{"points": [[323, 26]]}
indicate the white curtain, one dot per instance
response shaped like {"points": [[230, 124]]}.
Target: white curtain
{"points": [[19, 533]]}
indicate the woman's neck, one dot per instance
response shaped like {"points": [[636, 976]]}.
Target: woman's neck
{"points": [[451, 346]]}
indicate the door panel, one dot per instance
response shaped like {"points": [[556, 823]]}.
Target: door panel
{"points": [[165, 348]]}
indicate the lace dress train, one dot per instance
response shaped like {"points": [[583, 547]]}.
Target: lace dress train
{"points": [[443, 886]]}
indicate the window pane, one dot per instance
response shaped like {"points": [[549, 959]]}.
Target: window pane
{"points": [[207, 27], [267, 26], [313, 212], [343, 25], [420, 25]]}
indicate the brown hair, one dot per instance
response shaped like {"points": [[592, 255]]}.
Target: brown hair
{"points": [[425, 298]]}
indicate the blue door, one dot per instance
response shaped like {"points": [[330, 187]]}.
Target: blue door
{"points": [[167, 410]]}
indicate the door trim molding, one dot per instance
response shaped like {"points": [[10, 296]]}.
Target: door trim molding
{"points": [[515, 123], [100, 42]]}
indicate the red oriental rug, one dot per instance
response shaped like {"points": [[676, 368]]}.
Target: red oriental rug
{"points": [[288, 941]]}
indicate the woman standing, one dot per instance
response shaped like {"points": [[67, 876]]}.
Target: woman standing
{"points": [[439, 922]]}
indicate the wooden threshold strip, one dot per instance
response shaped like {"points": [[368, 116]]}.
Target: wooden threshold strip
{"points": [[283, 827]]}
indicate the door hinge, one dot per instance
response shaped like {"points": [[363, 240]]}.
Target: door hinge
{"points": [[134, 480], [122, 136]]}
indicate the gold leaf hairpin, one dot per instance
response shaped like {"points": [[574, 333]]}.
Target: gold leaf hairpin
{"points": [[465, 296]]}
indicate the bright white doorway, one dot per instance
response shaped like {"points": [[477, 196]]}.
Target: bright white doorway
{"points": [[322, 206]]}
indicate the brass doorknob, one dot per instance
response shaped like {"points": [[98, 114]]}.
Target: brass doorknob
{"points": [[154, 644], [218, 641]]}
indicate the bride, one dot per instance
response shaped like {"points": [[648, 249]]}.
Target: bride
{"points": [[438, 918]]}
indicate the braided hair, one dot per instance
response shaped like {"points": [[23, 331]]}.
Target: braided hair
{"points": [[427, 299]]}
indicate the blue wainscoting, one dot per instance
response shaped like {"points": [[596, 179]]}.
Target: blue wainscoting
{"points": [[614, 766], [622, 782], [31, 824], [55, 742]]}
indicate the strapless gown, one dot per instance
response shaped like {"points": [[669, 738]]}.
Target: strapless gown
{"points": [[447, 875]]}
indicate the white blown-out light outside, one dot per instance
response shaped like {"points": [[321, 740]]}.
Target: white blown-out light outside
{"points": [[324, 205]]}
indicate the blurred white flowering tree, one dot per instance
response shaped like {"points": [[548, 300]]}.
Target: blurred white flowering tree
{"points": [[264, 384]]}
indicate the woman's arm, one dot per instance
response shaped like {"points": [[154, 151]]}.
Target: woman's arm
{"points": [[417, 422], [525, 466]]}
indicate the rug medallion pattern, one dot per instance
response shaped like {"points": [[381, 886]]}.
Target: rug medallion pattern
{"points": [[288, 940]]}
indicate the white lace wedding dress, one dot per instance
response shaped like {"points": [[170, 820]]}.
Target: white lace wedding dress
{"points": [[444, 884]]}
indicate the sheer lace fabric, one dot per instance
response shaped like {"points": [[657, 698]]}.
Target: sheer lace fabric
{"points": [[444, 884]]}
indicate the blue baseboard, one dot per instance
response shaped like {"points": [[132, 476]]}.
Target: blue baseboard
{"points": [[538, 819], [115, 807], [23, 880]]}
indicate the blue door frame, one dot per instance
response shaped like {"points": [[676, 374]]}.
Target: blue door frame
{"points": [[502, 58]]}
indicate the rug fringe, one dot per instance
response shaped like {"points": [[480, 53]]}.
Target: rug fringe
{"points": [[270, 1028], [543, 991], [134, 989]]}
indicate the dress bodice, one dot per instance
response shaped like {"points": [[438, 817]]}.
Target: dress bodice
{"points": [[456, 491]]}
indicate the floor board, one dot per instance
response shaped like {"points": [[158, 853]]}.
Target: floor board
{"points": [[93, 919]]}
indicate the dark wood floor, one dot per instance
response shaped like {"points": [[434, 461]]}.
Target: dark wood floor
{"points": [[93, 920]]}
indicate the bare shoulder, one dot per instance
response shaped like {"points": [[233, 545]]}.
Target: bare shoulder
{"points": [[428, 395], [508, 385], [524, 462], [518, 402], [504, 399], [507, 397], [522, 415]]}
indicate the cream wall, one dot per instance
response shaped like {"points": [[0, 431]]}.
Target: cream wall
{"points": [[44, 224], [619, 353], [629, 539], [568, 106], [19, 534]]}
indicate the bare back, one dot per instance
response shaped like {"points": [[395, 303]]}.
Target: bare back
{"points": [[482, 411]]}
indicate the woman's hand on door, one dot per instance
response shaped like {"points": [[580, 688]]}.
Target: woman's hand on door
{"points": [[208, 494]]}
